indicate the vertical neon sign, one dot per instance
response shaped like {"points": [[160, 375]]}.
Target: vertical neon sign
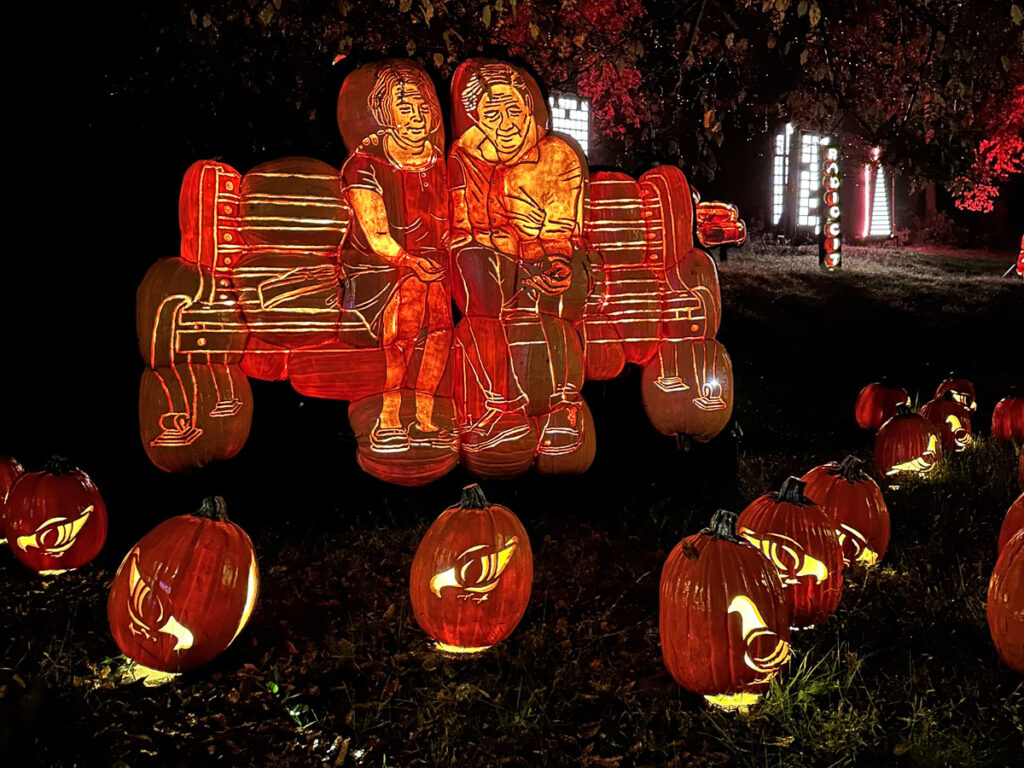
{"points": [[830, 244]]}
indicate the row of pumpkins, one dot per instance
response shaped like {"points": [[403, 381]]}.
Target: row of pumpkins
{"points": [[915, 442], [187, 589]]}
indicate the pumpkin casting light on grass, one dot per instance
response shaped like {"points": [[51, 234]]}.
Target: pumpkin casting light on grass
{"points": [[855, 504], [185, 591], [722, 616], [800, 540], [55, 520], [472, 575]]}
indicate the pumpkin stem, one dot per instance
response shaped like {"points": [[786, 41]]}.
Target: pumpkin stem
{"points": [[213, 508], [792, 492], [904, 410], [850, 469], [58, 465], [473, 497], [723, 526]]}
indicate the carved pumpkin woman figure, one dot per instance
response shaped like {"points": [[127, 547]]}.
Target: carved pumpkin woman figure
{"points": [[396, 184], [517, 216]]}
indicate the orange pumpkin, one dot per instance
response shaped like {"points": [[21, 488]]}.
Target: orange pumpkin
{"points": [[876, 404], [56, 520], [1005, 605], [1012, 523], [963, 392], [855, 504], [1008, 419], [10, 470], [190, 415], [907, 444], [185, 591], [687, 389], [951, 419], [472, 575], [722, 616], [800, 540]]}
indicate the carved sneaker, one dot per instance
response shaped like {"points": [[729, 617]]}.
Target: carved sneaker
{"points": [[670, 384], [438, 437], [562, 431], [388, 439], [494, 428], [176, 430]]}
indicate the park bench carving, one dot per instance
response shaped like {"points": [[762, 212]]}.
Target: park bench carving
{"points": [[342, 281]]}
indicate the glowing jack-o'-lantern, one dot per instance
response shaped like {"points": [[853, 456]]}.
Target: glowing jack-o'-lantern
{"points": [[185, 591], [56, 520], [1012, 523], [10, 470], [722, 616], [1005, 606], [907, 443], [800, 540], [952, 420], [876, 404], [963, 392], [854, 502], [472, 574], [1008, 419]]}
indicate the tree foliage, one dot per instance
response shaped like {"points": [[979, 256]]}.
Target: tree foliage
{"points": [[929, 81]]}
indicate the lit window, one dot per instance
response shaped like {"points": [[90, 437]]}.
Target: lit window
{"points": [[571, 115]]}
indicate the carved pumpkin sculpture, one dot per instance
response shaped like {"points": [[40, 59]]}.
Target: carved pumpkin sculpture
{"points": [[963, 392], [854, 502], [951, 419], [1008, 419], [56, 520], [800, 540], [10, 470], [722, 616], [1012, 523], [877, 403], [1005, 607], [472, 574], [907, 444], [185, 591]]}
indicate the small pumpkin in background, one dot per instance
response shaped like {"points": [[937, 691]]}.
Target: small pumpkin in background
{"points": [[10, 470], [1012, 523], [800, 540], [56, 520], [963, 392], [185, 591], [472, 575], [876, 404], [854, 502], [1005, 606], [951, 419], [1008, 419], [722, 616], [907, 444]]}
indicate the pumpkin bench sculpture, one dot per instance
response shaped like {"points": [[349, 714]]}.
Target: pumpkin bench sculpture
{"points": [[342, 282]]}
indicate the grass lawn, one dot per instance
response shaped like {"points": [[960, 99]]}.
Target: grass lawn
{"points": [[333, 669]]}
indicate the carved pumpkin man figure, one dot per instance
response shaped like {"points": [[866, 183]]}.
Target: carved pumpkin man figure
{"points": [[395, 182], [517, 216]]}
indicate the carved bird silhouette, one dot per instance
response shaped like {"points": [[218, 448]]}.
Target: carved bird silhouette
{"points": [[788, 556], [766, 652], [922, 463], [147, 612], [476, 571], [56, 535], [861, 552]]}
